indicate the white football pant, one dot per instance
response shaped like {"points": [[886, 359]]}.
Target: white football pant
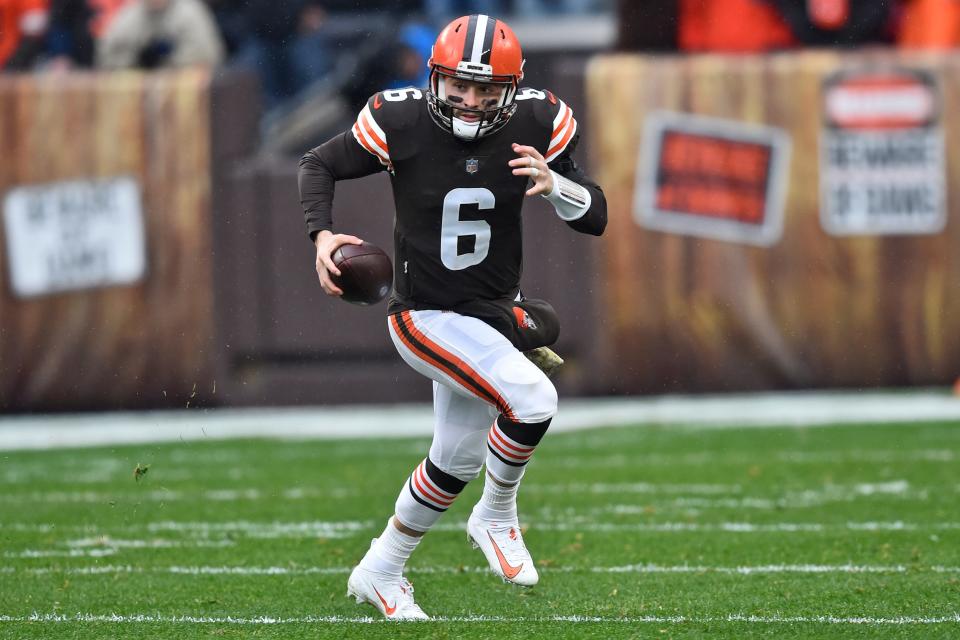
{"points": [[477, 375]]}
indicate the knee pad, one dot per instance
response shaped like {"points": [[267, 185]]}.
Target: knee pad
{"points": [[530, 394], [463, 459]]}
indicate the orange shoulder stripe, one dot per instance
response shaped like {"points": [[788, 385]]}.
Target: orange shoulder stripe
{"points": [[563, 143], [373, 134]]}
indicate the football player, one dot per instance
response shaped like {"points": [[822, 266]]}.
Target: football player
{"points": [[461, 155]]}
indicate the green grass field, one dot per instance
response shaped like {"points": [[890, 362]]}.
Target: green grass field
{"points": [[846, 531]]}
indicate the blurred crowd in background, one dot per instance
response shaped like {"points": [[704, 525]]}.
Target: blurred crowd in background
{"points": [[310, 50], [289, 43]]}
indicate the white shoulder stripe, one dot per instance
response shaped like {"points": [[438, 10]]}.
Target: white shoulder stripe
{"points": [[560, 134], [370, 136], [373, 122], [561, 114], [558, 145], [362, 140]]}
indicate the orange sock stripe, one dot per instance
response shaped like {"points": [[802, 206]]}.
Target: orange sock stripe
{"points": [[502, 437], [509, 454], [506, 454], [425, 493], [446, 495]]}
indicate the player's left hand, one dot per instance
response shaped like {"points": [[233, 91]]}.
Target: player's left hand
{"points": [[531, 163]]}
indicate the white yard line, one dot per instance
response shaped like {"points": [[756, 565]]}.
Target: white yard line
{"points": [[735, 410], [576, 523], [313, 528], [725, 527], [244, 494], [278, 620], [167, 495], [54, 553], [633, 487], [607, 460], [796, 499], [644, 568], [678, 496]]}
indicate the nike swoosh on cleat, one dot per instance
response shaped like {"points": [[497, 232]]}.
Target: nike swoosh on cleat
{"points": [[387, 609], [508, 571]]}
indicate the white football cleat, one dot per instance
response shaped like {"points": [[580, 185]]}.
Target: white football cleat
{"points": [[502, 544], [391, 595]]}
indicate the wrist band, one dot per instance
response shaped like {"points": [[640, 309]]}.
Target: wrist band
{"points": [[570, 199]]}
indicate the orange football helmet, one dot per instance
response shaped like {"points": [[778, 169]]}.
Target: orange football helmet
{"points": [[477, 48]]}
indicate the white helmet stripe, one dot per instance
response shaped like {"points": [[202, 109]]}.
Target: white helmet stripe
{"points": [[478, 38]]}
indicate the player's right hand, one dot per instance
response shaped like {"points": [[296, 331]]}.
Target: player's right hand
{"points": [[327, 242]]}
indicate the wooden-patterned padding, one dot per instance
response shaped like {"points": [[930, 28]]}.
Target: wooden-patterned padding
{"points": [[147, 344], [814, 310]]}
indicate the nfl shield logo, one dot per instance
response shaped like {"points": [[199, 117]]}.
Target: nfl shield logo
{"points": [[473, 165]]}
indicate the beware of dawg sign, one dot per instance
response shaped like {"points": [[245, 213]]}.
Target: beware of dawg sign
{"points": [[712, 178], [80, 234], [882, 154]]}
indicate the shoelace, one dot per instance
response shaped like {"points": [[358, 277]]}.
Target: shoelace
{"points": [[406, 587], [512, 546]]}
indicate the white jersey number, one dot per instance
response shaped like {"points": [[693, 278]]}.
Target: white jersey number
{"points": [[453, 228], [399, 95], [528, 93]]}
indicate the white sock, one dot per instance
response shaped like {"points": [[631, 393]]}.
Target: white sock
{"points": [[498, 503], [390, 552]]}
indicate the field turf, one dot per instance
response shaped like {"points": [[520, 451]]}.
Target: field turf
{"points": [[646, 532]]}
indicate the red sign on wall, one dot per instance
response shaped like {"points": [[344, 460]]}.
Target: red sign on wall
{"points": [[712, 178]]}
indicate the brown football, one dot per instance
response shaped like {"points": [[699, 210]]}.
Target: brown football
{"points": [[366, 273]]}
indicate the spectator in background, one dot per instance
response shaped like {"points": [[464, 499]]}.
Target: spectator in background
{"points": [[23, 25], [930, 24], [410, 55], [838, 23], [439, 12], [736, 26], [70, 37], [74, 27], [231, 17], [745, 26], [287, 46], [149, 34], [539, 8]]}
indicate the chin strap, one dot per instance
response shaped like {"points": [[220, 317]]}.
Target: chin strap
{"points": [[570, 199], [465, 130]]}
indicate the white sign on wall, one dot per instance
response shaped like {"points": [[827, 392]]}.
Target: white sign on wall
{"points": [[882, 161], [65, 236]]}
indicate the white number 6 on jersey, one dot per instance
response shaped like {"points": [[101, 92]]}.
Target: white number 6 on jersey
{"points": [[453, 228], [528, 93], [399, 95]]}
